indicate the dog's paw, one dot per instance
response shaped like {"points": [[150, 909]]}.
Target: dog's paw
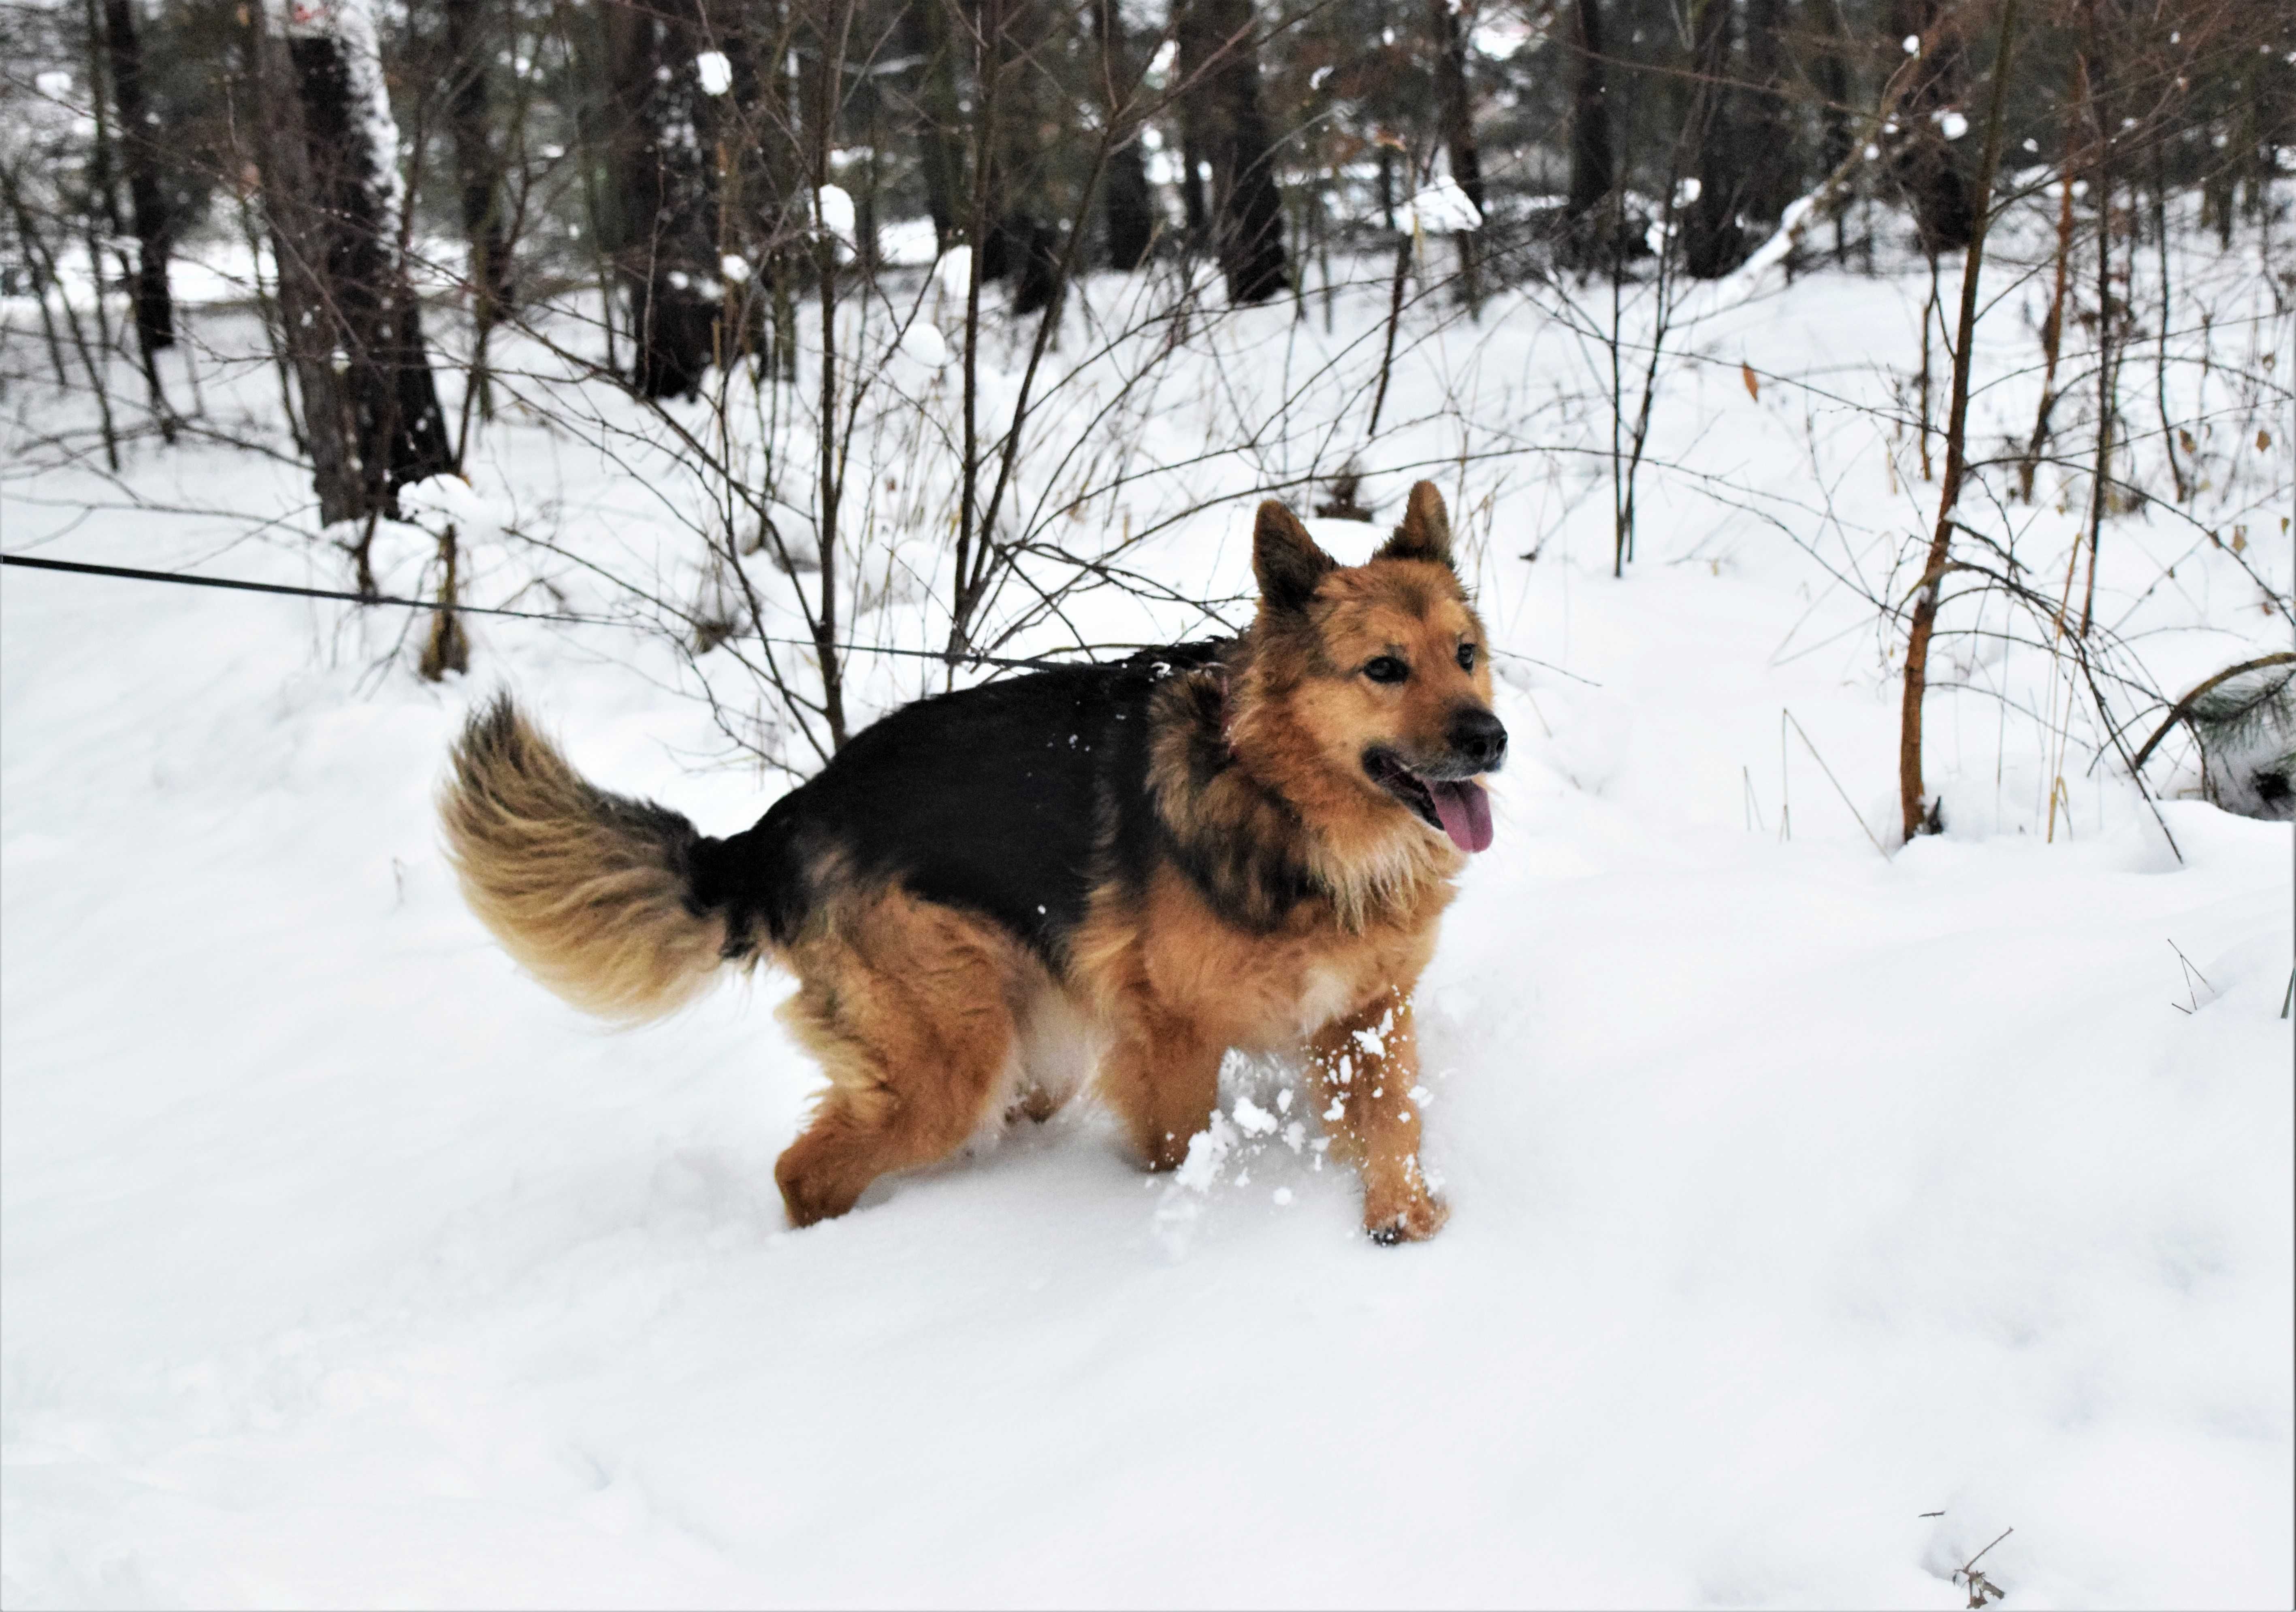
{"points": [[1415, 1221]]}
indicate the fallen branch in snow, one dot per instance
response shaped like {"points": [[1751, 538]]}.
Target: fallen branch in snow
{"points": [[1981, 1589], [2191, 973], [2183, 709]]}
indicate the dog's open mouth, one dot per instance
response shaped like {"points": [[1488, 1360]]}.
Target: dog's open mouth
{"points": [[1456, 806]]}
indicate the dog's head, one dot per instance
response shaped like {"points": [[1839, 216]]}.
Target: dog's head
{"points": [[1382, 669]]}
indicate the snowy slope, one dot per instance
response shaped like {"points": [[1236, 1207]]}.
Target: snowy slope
{"points": [[1798, 1191]]}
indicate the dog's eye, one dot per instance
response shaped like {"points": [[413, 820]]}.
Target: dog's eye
{"points": [[1466, 657], [1386, 668]]}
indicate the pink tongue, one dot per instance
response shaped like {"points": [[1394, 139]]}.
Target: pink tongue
{"points": [[1466, 814]]}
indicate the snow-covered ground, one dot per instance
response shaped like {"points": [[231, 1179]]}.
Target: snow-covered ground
{"points": [[1819, 1215]]}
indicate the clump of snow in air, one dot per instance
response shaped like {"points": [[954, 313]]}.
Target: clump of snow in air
{"points": [[1951, 124], [736, 269], [1913, 45], [1251, 1119], [1442, 208], [836, 208], [1817, 1214], [715, 71]]}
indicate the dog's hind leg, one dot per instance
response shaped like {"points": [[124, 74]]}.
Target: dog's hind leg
{"points": [[1366, 1065], [909, 1008]]}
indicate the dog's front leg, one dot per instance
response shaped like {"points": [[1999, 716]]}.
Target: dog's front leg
{"points": [[1163, 1080], [1366, 1065]]}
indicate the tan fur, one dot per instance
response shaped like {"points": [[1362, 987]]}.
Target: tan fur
{"points": [[560, 872], [913, 1010]]}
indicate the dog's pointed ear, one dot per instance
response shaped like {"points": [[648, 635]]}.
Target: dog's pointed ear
{"points": [[1285, 560], [1425, 533]]}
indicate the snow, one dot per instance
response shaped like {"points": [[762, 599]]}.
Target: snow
{"points": [[715, 71], [953, 274], [1442, 208], [835, 205], [907, 244], [1798, 1191], [924, 343]]}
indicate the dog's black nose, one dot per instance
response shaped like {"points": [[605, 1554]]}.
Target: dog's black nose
{"points": [[1479, 737]]}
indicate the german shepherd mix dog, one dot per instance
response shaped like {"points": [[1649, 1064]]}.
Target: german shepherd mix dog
{"points": [[1132, 867]]}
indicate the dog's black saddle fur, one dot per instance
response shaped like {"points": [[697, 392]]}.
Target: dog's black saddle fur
{"points": [[1008, 799]]}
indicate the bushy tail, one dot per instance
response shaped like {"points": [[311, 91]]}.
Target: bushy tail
{"points": [[593, 892]]}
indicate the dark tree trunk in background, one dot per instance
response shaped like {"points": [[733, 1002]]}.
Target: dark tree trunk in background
{"points": [[1773, 171], [1925, 164], [354, 332], [1832, 75], [1592, 163], [940, 120], [1219, 58], [665, 240], [1128, 206], [1712, 244], [1454, 112], [139, 154], [478, 160], [1023, 247], [1196, 206]]}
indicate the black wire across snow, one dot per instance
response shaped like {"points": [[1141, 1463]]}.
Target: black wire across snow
{"points": [[241, 584], [968, 658]]}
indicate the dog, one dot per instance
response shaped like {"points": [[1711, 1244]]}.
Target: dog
{"points": [[1112, 872]]}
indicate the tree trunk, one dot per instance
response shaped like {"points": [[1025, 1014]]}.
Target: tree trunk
{"points": [[1219, 58], [1592, 165], [333, 194], [1925, 164], [478, 162], [1194, 205], [1832, 73], [1455, 112], [940, 146], [1773, 177], [1712, 244], [1917, 813], [665, 239], [139, 154], [1022, 246], [1128, 206]]}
